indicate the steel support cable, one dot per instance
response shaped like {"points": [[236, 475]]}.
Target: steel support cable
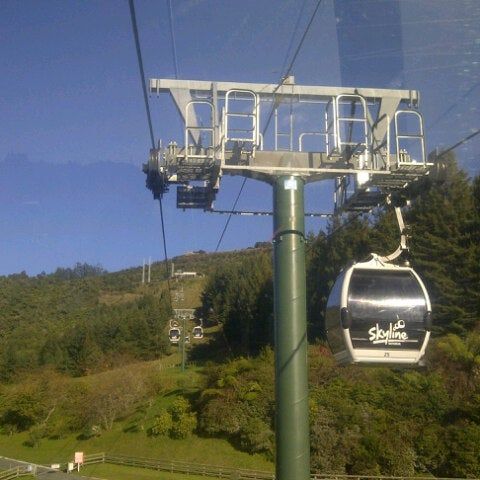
{"points": [[343, 225], [294, 34], [230, 215], [287, 55], [292, 63], [461, 142], [453, 105], [284, 76], [150, 125], [172, 37], [167, 272], [302, 40], [140, 67]]}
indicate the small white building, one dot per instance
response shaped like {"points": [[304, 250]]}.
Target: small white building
{"points": [[185, 274]]}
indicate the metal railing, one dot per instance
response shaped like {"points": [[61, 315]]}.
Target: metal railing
{"points": [[194, 132]]}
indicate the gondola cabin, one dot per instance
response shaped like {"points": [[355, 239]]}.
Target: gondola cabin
{"points": [[197, 332], [378, 313], [174, 335]]}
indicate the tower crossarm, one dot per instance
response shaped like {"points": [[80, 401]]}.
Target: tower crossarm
{"points": [[361, 137], [309, 92], [183, 91]]}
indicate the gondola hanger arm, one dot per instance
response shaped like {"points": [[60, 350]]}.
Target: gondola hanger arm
{"points": [[403, 247]]}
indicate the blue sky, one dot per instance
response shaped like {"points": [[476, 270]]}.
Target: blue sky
{"points": [[71, 95]]}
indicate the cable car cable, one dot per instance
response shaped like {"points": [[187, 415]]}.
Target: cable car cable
{"points": [[167, 273], [304, 36], [133, 19], [453, 105], [292, 62], [230, 215], [294, 34], [343, 225], [284, 76], [152, 138], [172, 37], [461, 142], [173, 43], [140, 67]]}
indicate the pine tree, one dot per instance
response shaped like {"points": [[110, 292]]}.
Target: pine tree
{"points": [[443, 248]]}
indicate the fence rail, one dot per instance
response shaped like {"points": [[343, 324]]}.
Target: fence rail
{"points": [[215, 471], [15, 472], [176, 466], [166, 366]]}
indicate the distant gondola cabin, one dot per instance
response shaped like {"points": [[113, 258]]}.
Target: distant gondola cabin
{"points": [[174, 335], [378, 313], [197, 332]]}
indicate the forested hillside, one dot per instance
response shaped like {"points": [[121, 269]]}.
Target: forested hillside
{"points": [[83, 319], [78, 321]]}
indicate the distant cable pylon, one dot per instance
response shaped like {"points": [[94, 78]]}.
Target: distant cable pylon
{"points": [[282, 78], [150, 126]]}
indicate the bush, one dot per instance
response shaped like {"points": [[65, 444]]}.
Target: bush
{"points": [[163, 424], [184, 421], [184, 426], [256, 436], [237, 402], [178, 421]]}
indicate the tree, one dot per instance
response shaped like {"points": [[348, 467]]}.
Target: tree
{"points": [[83, 351], [237, 402], [80, 270], [445, 248], [53, 353], [240, 297], [461, 364], [114, 396], [463, 457]]}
